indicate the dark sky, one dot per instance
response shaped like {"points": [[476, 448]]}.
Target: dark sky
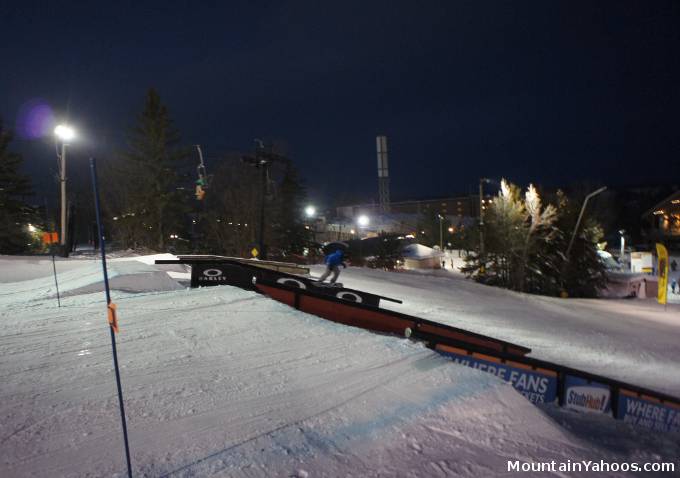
{"points": [[549, 92]]}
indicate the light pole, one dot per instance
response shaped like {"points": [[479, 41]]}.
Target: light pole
{"points": [[623, 249], [363, 220], [64, 134], [580, 216], [262, 160], [310, 212], [481, 221], [441, 236]]}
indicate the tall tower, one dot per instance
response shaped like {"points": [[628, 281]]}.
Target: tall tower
{"points": [[383, 174]]}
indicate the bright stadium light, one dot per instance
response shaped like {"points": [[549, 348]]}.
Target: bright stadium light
{"points": [[64, 133], [363, 220], [310, 211]]}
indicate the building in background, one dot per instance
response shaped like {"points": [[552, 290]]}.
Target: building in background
{"points": [[456, 206], [664, 218]]}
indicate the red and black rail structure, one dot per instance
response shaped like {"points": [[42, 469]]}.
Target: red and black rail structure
{"points": [[217, 270], [374, 318], [539, 381]]}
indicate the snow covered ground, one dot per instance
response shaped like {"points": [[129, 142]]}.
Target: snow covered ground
{"points": [[224, 382], [637, 341]]}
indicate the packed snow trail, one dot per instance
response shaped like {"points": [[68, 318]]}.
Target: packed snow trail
{"points": [[224, 382], [636, 341]]}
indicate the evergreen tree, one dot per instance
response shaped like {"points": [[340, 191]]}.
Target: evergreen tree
{"points": [[290, 234], [14, 213], [582, 273], [538, 270], [388, 254], [152, 207], [525, 244], [430, 227], [504, 239], [233, 209]]}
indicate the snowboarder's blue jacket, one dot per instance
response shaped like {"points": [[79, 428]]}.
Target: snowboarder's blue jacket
{"points": [[334, 259]]}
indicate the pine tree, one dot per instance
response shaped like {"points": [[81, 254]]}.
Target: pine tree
{"points": [[540, 234], [504, 240], [582, 274], [519, 236], [388, 253], [290, 234], [153, 206], [14, 213], [429, 228], [525, 244], [233, 208]]}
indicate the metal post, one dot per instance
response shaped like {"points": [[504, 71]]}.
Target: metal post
{"points": [[623, 249], [263, 189], [481, 218], [62, 179], [580, 216], [441, 241], [102, 247], [54, 269]]}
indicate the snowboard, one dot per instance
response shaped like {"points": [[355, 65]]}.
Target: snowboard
{"points": [[324, 284]]}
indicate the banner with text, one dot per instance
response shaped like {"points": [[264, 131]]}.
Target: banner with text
{"points": [[586, 396], [537, 385], [648, 412]]}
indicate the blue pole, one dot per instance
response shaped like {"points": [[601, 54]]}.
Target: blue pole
{"points": [[54, 269], [93, 170]]}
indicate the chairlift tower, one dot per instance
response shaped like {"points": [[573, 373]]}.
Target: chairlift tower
{"points": [[383, 174]]}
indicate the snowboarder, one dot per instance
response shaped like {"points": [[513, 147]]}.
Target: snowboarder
{"points": [[333, 262]]}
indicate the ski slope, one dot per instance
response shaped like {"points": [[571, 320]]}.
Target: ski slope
{"points": [[224, 382], [635, 341]]}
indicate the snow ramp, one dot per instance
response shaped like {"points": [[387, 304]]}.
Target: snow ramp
{"points": [[540, 381], [224, 382]]}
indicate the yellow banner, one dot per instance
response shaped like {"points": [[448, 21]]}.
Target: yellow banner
{"points": [[662, 254]]}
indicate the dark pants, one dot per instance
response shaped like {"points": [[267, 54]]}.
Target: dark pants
{"points": [[334, 269]]}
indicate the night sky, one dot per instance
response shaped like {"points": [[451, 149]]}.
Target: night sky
{"points": [[548, 92]]}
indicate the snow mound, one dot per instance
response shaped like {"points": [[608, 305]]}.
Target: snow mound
{"points": [[127, 275], [220, 381], [223, 382], [635, 341], [419, 251]]}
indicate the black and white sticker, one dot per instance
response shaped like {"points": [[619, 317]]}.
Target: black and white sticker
{"points": [[349, 296], [291, 282]]}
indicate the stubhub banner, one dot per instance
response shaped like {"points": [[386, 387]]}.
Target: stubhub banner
{"points": [[586, 396], [537, 385], [648, 413]]}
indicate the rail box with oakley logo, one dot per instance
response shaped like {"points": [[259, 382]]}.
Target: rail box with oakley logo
{"points": [[230, 272], [210, 274]]}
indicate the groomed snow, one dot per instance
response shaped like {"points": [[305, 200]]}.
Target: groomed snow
{"points": [[224, 382], [632, 340]]}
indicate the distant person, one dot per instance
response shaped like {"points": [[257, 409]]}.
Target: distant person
{"points": [[674, 265], [674, 284], [333, 262]]}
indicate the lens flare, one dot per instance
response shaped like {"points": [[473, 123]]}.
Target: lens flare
{"points": [[35, 119]]}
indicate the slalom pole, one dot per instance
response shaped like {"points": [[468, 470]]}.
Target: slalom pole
{"points": [[56, 283], [51, 244], [111, 311]]}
